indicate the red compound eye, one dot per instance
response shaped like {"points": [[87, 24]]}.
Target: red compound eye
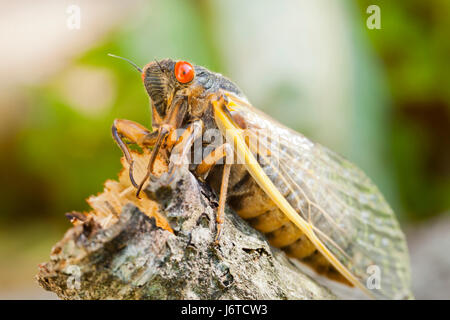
{"points": [[184, 71]]}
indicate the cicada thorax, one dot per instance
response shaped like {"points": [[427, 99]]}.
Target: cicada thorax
{"points": [[252, 204]]}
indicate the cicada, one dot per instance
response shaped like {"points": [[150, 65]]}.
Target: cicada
{"points": [[309, 201]]}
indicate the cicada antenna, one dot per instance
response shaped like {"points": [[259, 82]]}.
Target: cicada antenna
{"points": [[127, 60], [160, 67]]}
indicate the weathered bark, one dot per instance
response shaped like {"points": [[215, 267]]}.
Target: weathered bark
{"points": [[135, 259]]}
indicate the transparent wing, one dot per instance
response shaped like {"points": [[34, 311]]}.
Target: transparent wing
{"points": [[344, 209]]}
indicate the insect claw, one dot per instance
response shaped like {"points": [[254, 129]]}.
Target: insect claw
{"points": [[138, 191], [217, 239], [74, 216], [141, 185]]}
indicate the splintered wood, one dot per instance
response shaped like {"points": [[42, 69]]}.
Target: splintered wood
{"points": [[107, 205]]}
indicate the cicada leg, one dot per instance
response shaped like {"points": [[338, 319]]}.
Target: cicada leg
{"points": [[163, 132], [136, 133], [180, 145], [183, 144], [173, 120], [202, 170]]}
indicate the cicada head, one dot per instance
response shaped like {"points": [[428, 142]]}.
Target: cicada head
{"points": [[160, 83], [165, 78]]}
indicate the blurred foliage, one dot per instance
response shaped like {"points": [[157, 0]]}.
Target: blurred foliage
{"points": [[414, 47]]}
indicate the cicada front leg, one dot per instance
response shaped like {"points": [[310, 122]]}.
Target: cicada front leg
{"points": [[171, 122], [135, 133], [180, 144]]}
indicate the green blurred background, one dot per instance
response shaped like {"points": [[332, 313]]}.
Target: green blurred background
{"points": [[380, 97]]}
